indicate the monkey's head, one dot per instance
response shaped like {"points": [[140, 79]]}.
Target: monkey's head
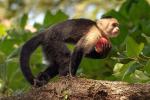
{"points": [[109, 26]]}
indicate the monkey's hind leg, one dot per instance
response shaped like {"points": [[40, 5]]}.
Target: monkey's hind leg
{"points": [[58, 55], [63, 59]]}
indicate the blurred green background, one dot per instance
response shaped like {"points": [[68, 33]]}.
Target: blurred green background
{"points": [[128, 61]]}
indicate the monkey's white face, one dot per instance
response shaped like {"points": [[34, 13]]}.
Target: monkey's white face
{"points": [[110, 26]]}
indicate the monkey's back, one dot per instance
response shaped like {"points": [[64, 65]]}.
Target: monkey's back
{"points": [[71, 30]]}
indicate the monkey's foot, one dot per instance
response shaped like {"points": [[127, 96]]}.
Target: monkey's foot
{"points": [[68, 76]]}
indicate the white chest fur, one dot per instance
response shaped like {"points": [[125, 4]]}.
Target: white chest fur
{"points": [[91, 38]]}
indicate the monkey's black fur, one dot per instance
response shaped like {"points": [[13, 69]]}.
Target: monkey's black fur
{"points": [[56, 52]]}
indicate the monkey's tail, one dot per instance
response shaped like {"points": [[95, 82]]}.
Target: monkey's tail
{"points": [[26, 52]]}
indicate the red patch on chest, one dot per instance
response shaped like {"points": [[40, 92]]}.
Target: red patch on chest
{"points": [[101, 44]]}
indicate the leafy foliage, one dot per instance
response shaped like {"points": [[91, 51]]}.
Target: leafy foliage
{"points": [[133, 43], [128, 61]]}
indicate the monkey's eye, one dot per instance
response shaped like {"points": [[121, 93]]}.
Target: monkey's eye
{"points": [[114, 24]]}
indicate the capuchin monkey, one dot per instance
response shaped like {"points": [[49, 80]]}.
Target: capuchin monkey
{"points": [[91, 39]]}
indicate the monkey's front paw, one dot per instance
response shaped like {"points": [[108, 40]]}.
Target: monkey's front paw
{"points": [[39, 83], [70, 76]]}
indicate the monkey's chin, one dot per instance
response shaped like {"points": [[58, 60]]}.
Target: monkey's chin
{"points": [[114, 34]]}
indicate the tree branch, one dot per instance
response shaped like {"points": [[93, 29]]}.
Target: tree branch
{"points": [[86, 89]]}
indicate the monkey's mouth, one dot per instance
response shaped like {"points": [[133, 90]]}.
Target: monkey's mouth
{"points": [[114, 33]]}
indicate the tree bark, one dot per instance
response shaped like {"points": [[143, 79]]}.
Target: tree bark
{"points": [[86, 89]]}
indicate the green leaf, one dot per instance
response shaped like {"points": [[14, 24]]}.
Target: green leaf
{"points": [[2, 30], [15, 76], [147, 67], [124, 71], [37, 25], [70, 46], [146, 37], [48, 18], [131, 67], [23, 20], [117, 67], [122, 60], [2, 84], [92, 68], [126, 6], [2, 57], [14, 53], [141, 76], [9, 43], [139, 10], [51, 19], [133, 49]]}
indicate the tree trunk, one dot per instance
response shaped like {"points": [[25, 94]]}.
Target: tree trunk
{"points": [[86, 89]]}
